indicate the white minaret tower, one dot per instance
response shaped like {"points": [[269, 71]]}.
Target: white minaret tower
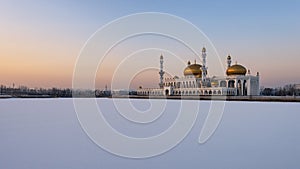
{"points": [[204, 68], [161, 72], [228, 61]]}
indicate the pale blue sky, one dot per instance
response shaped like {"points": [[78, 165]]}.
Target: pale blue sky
{"points": [[262, 35]]}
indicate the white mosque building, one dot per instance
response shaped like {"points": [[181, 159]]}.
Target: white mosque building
{"points": [[195, 82]]}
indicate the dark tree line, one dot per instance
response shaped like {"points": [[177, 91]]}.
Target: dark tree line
{"points": [[287, 90], [23, 91]]}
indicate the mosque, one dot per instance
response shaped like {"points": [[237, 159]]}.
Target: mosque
{"points": [[237, 81]]}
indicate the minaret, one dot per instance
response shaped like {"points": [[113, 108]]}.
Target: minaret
{"points": [[228, 61], [161, 72], [204, 68]]}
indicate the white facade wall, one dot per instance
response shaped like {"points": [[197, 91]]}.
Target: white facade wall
{"points": [[230, 85]]}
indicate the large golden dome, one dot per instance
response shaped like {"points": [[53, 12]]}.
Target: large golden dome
{"points": [[193, 69], [236, 70]]}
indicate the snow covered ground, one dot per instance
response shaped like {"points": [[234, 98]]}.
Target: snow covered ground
{"points": [[45, 133]]}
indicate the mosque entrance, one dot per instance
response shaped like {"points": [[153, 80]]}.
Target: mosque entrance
{"points": [[167, 92]]}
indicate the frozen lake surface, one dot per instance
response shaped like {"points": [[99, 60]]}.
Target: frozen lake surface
{"points": [[45, 133]]}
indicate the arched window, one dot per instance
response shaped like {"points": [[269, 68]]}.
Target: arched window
{"points": [[239, 88], [198, 84], [231, 84], [245, 88], [223, 83]]}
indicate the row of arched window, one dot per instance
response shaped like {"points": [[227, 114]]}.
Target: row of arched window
{"points": [[186, 84], [188, 92], [197, 84]]}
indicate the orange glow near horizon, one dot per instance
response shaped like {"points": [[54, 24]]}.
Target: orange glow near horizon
{"points": [[44, 69], [35, 63]]}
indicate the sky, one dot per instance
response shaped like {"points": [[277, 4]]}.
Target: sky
{"points": [[41, 40]]}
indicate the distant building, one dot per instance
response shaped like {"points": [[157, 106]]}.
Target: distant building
{"points": [[237, 81]]}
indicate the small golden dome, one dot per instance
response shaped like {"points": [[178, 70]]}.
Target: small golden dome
{"points": [[236, 70], [214, 83], [193, 69]]}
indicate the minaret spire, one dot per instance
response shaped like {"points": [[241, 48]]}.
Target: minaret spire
{"points": [[161, 72], [228, 61], [204, 68]]}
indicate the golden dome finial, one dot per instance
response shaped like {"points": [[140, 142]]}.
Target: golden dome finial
{"points": [[195, 61]]}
